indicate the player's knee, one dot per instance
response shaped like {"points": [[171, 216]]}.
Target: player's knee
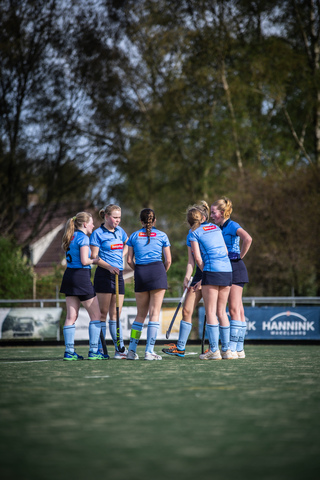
{"points": [[103, 316], [233, 312]]}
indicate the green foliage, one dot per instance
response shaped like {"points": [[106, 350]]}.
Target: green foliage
{"points": [[47, 286], [281, 213], [163, 104], [129, 289], [177, 270], [16, 276], [38, 96]]}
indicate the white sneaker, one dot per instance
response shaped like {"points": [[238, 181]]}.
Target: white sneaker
{"points": [[227, 355], [241, 354], [152, 356], [121, 355], [131, 355], [210, 355], [235, 355]]}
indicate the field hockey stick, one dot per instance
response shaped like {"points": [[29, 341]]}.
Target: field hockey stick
{"points": [[203, 333], [103, 342], [122, 349], [178, 308]]}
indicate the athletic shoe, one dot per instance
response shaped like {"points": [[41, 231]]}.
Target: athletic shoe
{"points": [[121, 355], [235, 355], [170, 345], [210, 355], [241, 354], [131, 355], [96, 356], [105, 355], [72, 356], [152, 356], [227, 355], [173, 350]]}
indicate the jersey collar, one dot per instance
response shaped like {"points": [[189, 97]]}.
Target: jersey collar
{"points": [[225, 224], [108, 231]]}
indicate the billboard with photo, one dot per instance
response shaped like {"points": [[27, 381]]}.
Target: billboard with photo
{"points": [[30, 323]]}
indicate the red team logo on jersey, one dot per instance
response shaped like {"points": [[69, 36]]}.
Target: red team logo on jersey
{"points": [[152, 234], [117, 246], [211, 227]]}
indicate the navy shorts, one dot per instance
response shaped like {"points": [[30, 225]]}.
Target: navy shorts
{"points": [[82, 298], [76, 282], [220, 279], [105, 282], [197, 277], [239, 273], [152, 276]]}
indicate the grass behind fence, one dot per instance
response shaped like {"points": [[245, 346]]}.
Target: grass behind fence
{"points": [[256, 418]]}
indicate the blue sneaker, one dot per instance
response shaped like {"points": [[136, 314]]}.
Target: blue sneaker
{"points": [[72, 356], [105, 355], [173, 350], [96, 356]]}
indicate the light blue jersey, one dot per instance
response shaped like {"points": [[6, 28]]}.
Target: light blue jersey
{"points": [[188, 238], [232, 240], [78, 240], [110, 245], [212, 248], [145, 252]]}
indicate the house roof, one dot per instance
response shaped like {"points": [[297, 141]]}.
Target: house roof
{"points": [[34, 218]]}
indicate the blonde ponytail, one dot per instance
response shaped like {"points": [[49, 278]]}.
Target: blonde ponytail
{"points": [[73, 224]]}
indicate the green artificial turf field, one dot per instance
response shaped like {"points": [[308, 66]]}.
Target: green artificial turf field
{"points": [[183, 418]]}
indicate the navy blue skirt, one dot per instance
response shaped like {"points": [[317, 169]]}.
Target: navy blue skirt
{"points": [[197, 277], [105, 281], [152, 276], [76, 281], [239, 273], [219, 279]]}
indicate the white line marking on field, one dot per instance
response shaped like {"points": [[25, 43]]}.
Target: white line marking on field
{"points": [[97, 376], [191, 353], [28, 361]]}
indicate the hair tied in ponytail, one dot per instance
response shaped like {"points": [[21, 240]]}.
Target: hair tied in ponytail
{"points": [[74, 218]]}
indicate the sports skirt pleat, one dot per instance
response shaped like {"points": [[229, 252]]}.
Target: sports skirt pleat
{"points": [[239, 272], [77, 281], [197, 277], [220, 279], [105, 281], [149, 277]]}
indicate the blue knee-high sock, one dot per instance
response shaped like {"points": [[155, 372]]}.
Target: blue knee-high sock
{"points": [[242, 333], [184, 332], [152, 332], [235, 328], [135, 335], [68, 333], [103, 328], [213, 336], [94, 334], [224, 337], [113, 332]]}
